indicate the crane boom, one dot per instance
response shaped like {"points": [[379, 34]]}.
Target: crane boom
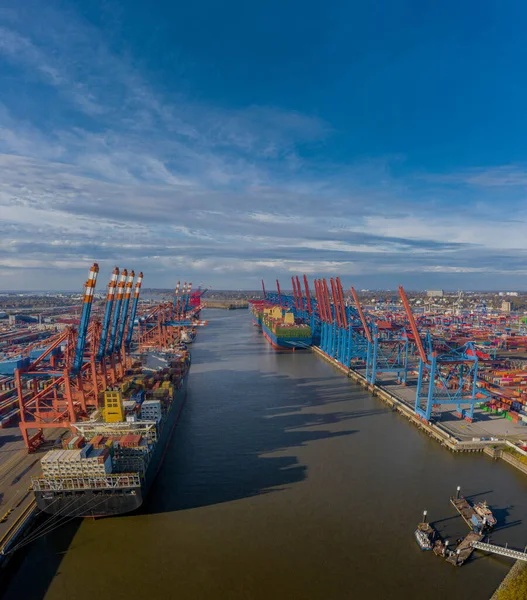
{"points": [[367, 331], [176, 295], [341, 303], [308, 296], [335, 302], [327, 303], [300, 299], [128, 340], [85, 318], [320, 301], [110, 297], [126, 303], [294, 292], [413, 324], [117, 311]]}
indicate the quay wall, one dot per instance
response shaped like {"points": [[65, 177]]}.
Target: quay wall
{"points": [[435, 431]]}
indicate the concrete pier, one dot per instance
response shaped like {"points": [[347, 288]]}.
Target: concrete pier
{"points": [[401, 399]]}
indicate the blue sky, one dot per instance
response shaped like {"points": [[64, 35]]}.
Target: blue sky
{"points": [[225, 142]]}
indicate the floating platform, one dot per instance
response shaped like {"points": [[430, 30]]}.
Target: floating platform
{"points": [[425, 535], [470, 516], [464, 550]]}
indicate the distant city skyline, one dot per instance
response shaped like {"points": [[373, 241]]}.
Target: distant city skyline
{"points": [[227, 143]]}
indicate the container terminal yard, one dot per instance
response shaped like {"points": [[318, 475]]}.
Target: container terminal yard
{"points": [[457, 373], [460, 375]]}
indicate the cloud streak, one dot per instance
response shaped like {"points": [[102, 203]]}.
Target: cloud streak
{"points": [[100, 164]]}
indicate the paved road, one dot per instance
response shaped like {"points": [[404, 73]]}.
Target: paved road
{"points": [[16, 469], [484, 424]]}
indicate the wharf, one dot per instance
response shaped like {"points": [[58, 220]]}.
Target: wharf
{"points": [[464, 550], [17, 504], [464, 509], [455, 434]]}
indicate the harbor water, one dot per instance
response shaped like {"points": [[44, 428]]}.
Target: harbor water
{"points": [[283, 480]]}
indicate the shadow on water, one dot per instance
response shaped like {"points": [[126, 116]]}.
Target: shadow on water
{"points": [[245, 420], [503, 517], [231, 454], [20, 580]]}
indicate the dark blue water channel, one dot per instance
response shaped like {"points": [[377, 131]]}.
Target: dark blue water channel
{"points": [[283, 480]]}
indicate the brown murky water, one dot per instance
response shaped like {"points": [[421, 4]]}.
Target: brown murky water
{"points": [[283, 480]]}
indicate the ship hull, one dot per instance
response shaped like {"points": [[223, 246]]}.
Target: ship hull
{"points": [[90, 503], [106, 503], [286, 343], [424, 545]]}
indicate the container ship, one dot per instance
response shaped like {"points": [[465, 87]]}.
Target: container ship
{"points": [[282, 331], [109, 465]]}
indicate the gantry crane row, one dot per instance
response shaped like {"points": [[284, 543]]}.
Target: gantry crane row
{"points": [[58, 390], [308, 295], [62, 390], [124, 312], [135, 302], [296, 302], [85, 318], [110, 297], [180, 300], [117, 311]]}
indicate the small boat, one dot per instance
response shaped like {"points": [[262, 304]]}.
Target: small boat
{"points": [[424, 535], [483, 510]]}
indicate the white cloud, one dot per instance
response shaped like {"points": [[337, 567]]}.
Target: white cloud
{"points": [[175, 186]]}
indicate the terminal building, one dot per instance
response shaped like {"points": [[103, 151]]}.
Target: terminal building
{"points": [[435, 293]]}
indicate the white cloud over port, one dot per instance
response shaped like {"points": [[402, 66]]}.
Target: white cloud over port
{"points": [[175, 187]]}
